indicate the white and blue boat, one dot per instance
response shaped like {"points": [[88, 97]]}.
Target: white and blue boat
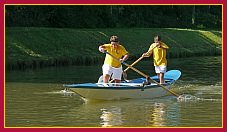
{"points": [[135, 89]]}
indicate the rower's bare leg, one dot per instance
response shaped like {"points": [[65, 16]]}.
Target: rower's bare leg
{"points": [[106, 78], [117, 81], [161, 78]]}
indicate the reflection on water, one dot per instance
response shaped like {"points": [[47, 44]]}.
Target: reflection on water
{"points": [[158, 114], [111, 117], [36, 98]]}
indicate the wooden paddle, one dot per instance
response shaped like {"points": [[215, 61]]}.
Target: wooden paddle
{"points": [[134, 63], [146, 76], [124, 72]]}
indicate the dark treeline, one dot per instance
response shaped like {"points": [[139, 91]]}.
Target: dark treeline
{"points": [[114, 16]]}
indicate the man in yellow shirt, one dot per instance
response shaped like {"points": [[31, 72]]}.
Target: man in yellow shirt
{"points": [[111, 65], [158, 49]]}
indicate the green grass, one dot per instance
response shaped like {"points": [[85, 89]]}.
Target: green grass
{"points": [[38, 47]]}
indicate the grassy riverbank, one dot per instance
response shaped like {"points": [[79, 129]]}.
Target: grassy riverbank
{"points": [[40, 47]]}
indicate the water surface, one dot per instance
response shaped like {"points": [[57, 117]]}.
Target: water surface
{"points": [[35, 98]]}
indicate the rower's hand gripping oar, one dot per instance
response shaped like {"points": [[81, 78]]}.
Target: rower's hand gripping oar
{"points": [[141, 73]]}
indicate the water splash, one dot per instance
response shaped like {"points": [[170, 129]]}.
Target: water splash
{"points": [[66, 92], [188, 97]]}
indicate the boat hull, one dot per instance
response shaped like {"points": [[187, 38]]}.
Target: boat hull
{"points": [[117, 94], [125, 90]]}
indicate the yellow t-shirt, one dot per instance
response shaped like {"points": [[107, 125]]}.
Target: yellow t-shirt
{"points": [[119, 52], [159, 54]]}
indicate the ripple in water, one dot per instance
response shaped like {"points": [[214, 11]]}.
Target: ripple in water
{"points": [[188, 97]]}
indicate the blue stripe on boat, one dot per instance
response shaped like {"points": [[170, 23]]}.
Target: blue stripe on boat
{"points": [[170, 77]]}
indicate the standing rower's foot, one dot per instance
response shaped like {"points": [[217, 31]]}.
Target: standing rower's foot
{"points": [[146, 82]]}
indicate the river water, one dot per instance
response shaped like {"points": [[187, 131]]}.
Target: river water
{"points": [[36, 98]]}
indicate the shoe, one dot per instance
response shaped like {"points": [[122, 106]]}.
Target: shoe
{"points": [[146, 83]]}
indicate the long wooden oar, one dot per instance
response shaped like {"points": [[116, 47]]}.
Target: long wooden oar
{"points": [[134, 63], [124, 72], [146, 76]]}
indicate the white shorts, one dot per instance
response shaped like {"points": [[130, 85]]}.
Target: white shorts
{"points": [[117, 72], [160, 69]]}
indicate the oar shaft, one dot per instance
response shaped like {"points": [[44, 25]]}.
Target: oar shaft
{"points": [[146, 76], [135, 70], [134, 63], [137, 60], [164, 87], [128, 65]]}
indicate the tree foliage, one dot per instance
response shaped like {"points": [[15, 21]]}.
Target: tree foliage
{"points": [[114, 16]]}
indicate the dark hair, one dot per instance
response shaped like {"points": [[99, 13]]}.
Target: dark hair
{"points": [[157, 38]]}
